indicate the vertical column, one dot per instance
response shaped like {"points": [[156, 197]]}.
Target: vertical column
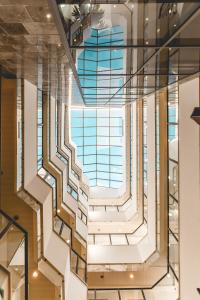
{"points": [[189, 191], [163, 183]]}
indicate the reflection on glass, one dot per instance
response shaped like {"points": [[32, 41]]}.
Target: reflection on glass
{"points": [[13, 258], [78, 266]]}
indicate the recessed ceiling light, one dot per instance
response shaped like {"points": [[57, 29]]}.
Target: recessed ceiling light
{"points": [[68, 241], [131, 276], [147, 19], [147, 43], [158, 30], [168, 275], [114, 5], [35, 274], [58, 210], [48, 16]]}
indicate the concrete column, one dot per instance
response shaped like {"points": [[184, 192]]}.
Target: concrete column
{"points": [[189, 191]]}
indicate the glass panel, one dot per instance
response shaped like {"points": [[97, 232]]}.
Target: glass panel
{"points": [[13, 258]]}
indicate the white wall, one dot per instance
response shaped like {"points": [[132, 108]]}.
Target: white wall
{"points": [[189, 192]]}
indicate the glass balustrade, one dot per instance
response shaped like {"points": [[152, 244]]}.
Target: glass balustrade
{"points": [[13, 259]]}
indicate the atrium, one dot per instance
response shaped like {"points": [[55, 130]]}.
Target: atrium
{"points": [[99, 150]]}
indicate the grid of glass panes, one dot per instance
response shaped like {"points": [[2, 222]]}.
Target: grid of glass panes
{"points": [[39, 129], [99, 69], [98, 135]]}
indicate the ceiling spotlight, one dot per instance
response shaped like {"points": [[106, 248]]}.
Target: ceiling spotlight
{"points": [[114, 5], [147, 43], [147, 19], [174, 25], [131, 276], [68, 242], [168, 275], [58, 210], [35, 274], [48, 16], [158, 30]]}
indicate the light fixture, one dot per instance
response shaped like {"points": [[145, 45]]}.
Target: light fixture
{"points": [[147, 43], [174, 25], [168, 275], [147, 19], [158, 30], [58, 210], [59, 45], [114, 5], [48, 16], [35, 274], [68, 242], [131, 276]]}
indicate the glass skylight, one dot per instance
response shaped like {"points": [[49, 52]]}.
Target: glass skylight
{"points": [[99, 69], [99, 136]]}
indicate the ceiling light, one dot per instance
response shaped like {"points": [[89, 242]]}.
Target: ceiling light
{"points": [[114, 5], [174, 25], [168, 275], [147, 43], [131, 276], [147, 19], [59, 45], [158, 30], [58, 210], [68, 242], [48, 16], [35, 274]]}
